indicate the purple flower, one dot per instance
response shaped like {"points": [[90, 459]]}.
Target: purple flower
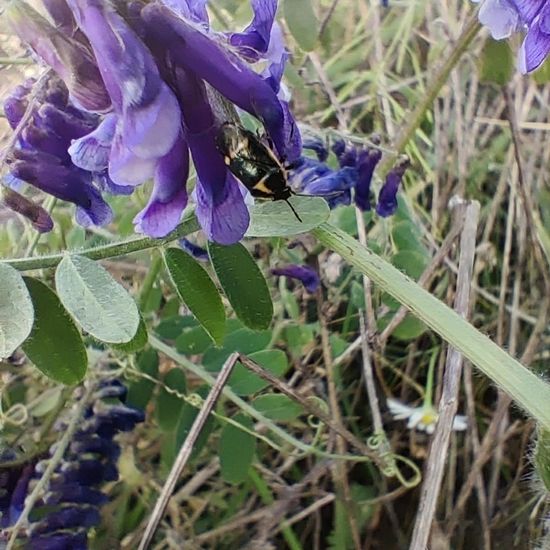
{"points": [[504, 17], [153, 64], [306, 275], [313, 177], [42, 159], [73, 495]]}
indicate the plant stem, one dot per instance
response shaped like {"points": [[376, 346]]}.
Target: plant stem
{"points": [[529, 391], [149, 280], [103, 252]]}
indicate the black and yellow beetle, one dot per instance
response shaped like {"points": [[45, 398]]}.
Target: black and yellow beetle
{"points": [[254, 164]]}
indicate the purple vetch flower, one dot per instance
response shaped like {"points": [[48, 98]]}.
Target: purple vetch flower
{"points": [[69, 58], [504, 17], [313, 177], [42, 159], [70, 506], [387, 199], [306, 275]]}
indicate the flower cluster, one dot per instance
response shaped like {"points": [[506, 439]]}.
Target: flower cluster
{"points": [[147, 80], [42, 158], [356, 169], [70, 505], [504, 17]]}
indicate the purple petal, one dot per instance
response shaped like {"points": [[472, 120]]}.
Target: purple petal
{"points": [[67, 57], [528, 9], [150, 116], [70, 184], [293, 138], [64, 541], [387, 198], [63, 123], [67, 518], [105, 183], [536, 46], [76, 494], [194, 50], [318, 145], [306, 275], [367, 163], [223, 217], [221, 209], [500, 16], [169, 197], [276, 57], [194, 10], [126, 168], [91, 152], [198, 252], [254, 40]]}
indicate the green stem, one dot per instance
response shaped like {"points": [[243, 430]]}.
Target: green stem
{"points": [[102, 252], [440, 78], [529, 391], [149, 280]]}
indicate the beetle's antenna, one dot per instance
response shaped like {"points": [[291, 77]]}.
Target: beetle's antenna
{"points": [[294, 211]]}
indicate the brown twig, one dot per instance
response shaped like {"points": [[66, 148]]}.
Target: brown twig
{"points": [[451, 382], [186, 450]]}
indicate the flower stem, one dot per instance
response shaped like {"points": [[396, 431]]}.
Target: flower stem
{"points": [[529, 391], [103, 252], [440, 78]]}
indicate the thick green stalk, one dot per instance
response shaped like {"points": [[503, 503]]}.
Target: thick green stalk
{"points": [[102, 252], [529, 391]]}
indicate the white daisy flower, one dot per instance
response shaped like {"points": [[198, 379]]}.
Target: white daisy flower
{"points": [[422, 418]]}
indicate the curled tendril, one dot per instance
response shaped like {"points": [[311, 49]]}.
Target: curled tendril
{"points": [[375, 441], [314, 422], [195, 400], [16, 415]]}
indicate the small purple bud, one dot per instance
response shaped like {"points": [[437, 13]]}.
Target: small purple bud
{"points": [[387, 199], [198, 252], [38, 217], [308, 276], [366, 165]]}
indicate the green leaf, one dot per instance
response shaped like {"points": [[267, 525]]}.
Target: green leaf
{"points": [[276, 219], [302, 22], [193, 341], [54, 346], [244, 382], [236, 450], [242, 340], [496, 62], [243, 284], [16, 311], [197, 291], [411, 263], [171, 327], [278, 407], [168, 404], [140, 391], [98, 303], [138, 342]]}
